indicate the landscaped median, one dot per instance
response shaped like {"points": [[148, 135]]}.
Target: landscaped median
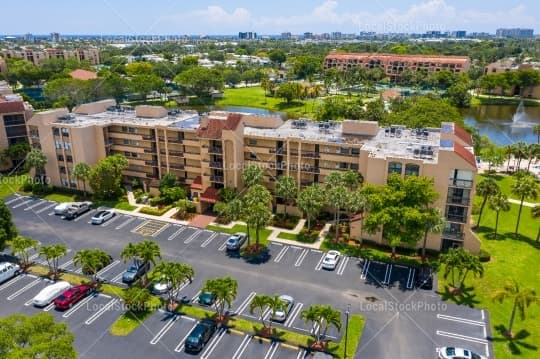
{"points": [[263, 235]]}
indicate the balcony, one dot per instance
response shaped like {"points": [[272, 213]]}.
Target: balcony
{"points": [[215, 150], [216, 164], [310, 154], [279, 151], [148, 138], [150, 175], [464, 201], [455, 182], [454, 235], [171, 153], [460, 218], [309, 169], [174, 140], [149, 150], [151, 163], [217, 179], [176, 166]]}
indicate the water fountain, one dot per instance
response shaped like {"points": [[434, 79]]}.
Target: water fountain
{"points": [[520, 118]]}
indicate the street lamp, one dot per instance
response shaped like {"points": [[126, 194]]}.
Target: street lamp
{"points": [[346, 328]]}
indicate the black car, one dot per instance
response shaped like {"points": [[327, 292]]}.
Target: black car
{"points": [[424, 278], [199, 336], [135, 271]]}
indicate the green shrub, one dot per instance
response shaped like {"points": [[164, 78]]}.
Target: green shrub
{"points": [[306, 237], [155, 211], [27, 185], [287, 222], [484, 256]]}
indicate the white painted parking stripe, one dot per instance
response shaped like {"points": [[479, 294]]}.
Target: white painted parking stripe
{"points": [[296, 247], [39, 203], [24, 289], [100, 312], [180, 345], [301, 258], [139, 226], [125, 223], [46, 208], [168, 325], [192, 237], [196, 296], [178, 231], [316, 250], [245, 342], [294, 313], [462, 337], [155, 234], [33, 256], [207, 242], [67, 264], [11, 282], [107, 268], [276, 244], [22, 203], [343, 265], [245, 303], [110, 221], [79, 305], [301, 354], [213, 344], [387, 274], [84, 215], [49, 307], [461, 320], [117, 278], [17, 197], [272, 350], [319, 264], [51, 213], [410, 279], [223, 246], [281, 254]]}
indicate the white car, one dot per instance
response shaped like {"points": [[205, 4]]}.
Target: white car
{"points": [[8, 270], [283, 311], [331, 260], [50, 293], [103, 216], [62, 208], [161, 287], [458, 353]]}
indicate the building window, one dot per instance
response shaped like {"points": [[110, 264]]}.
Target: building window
{"points": [[62, 170], [67, 146], [73, 184], [60, 158], [461, 178], [69, 158], [343, 165], [344, 151], [252, 142], [11, 120], [252, 156], [58, 144], [56, 131], [412, 170], [65, 132], [355, 151], [394, 167], [64, 182]]}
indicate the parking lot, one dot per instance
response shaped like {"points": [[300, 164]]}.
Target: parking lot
{"points": [[290, 269]]}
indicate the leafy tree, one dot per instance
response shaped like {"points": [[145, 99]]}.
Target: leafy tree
{"points": [[325, 316], [116, 86], [485, 188], [459, 263], [311, 201], [522, 298], [287, 189], [359, 203], [306, 66], [91, 261], [224, 290], [67, 92], [527, 78], [144, 84], [168, 180], [136, 299], [459, 95], [498, 202], [289, 91], [174, 274], [37, 336], [24, 72], [524, 187], [148, 252], [20, 246], [232, 77], [139, 68], [227, 194], [252, 175], [434, 223], [106, 176], [257, 213], [277, 56], [200, 80], [81, 171], [173, 194], [421, 112], [375, 110], [337, 196], [493, 155], [8, 231], [535, 213], [17, 152], [52, 253]]}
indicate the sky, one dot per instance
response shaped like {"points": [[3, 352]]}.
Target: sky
{"points": [[204, 17]]}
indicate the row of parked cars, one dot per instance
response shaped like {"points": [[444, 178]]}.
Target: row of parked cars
{"points": [[71, 210]]}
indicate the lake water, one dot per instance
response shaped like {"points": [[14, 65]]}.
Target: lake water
{"points": [[495, 121]]}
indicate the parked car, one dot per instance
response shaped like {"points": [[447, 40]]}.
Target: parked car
{"points": [[62, 208], [331, 260], [72, 296], [424, 278], [236, 241], [50, 293], [206, 298], [283, 312], [458, 353], [135, 271], [8, 270], [161, 287], [103, 216], [76, 209], [200, 335]]}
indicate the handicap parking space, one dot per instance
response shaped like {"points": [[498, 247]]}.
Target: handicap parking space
{"points": [[150, 227], [128, 222]]}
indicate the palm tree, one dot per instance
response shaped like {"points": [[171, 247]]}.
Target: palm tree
{"points": [[435, 223], [256, 212], [524, 187], [36, 159], [520, 153], [91, 261], [252, 175], [352, 180], [322, 317], [81, 172], [486, 188], [287, 189], [260, 303], [310, 201], [498, 202], [337, 196], [535, 213], [358, 203], [532, 152], [536, 131], [224, 290], [522, 299], [460, 262], [129, 252], [148, 252], [52, 254], [20, 246], [174, 274]]}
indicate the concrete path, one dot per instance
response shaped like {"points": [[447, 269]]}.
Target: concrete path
{"points": [[526, 204]]}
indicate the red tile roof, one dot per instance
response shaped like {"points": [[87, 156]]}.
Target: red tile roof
{"points": [[214, 127], [395, 57], [209, 195], [463, 135], [197, 183], [10, 106], [81, 74], [465, 154]]}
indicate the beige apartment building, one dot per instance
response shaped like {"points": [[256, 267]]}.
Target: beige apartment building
{"points": [[36, 56], [3, 68], [510, 65], [209, 152], [394, 65]]}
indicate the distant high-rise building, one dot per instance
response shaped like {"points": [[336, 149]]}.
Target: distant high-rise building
{"points": [[517, 32], [28, 37], [459, 34], [336, 35], [247, 35], [308, 35], [55, 37], [286, 35]]}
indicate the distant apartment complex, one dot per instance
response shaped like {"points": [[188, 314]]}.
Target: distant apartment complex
{"points": [[248, 35], [394, 65], [209, 152], [37, 56], [510, 65], [3, 67], [517, 32]]}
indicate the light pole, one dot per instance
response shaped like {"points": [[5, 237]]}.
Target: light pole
{"points": [[346, 328]]}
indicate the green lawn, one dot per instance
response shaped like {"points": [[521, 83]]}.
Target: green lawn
{"points": [[11, 184], [263, 234], [254, 97], [502, 100], [510, 258], [289, 236], [505, 182]]}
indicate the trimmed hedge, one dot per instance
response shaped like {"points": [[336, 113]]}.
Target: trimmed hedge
{"points": [[155, 211]]}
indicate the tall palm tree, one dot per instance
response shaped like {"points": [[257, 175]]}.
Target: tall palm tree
{"points": [[535, 213], [148, 252], [322, 317], [175, 274], [287, 189], [224, 291], [522, 299], [435, 223], [358, 203], [52, 254], [498, 202], [36, 159], [520, 153], [129, 252], [20, 246], [337, 196], [81, 172], [524, 187], [260, 303], [310, 201], [331, 318], [352, 180], [91, 261], [486, 188], [536, 131]]}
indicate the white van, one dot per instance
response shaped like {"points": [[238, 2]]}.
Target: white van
{"points": [[8, 270]]}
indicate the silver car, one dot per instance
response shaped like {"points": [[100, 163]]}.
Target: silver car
{"points": [[283, 311], [102, 216], [62, 208], [458, 353]]}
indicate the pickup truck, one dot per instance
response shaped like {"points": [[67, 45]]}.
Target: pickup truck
{"points": [[76, 209]]}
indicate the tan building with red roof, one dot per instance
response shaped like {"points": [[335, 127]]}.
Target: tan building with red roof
{"points": [[394, 65], [36, 56]]}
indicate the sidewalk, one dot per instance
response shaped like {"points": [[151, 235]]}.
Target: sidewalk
{"points": [[526, 204]]}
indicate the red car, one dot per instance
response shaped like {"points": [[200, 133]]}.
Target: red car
{"points": [[72, 296]]}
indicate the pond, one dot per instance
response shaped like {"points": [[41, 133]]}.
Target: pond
{"points": [[504, 124]]}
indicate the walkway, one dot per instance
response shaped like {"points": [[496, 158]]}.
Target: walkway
{"points": [[526, 204]]}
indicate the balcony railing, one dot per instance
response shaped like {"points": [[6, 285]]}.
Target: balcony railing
{"points": [[176, 166], [455, 182], [151, 163], [461, 218], [458, 200], [311, 154], [217, 150], [310, 169], [453, 235], [279, 151], [148, 138], [174, 140], [216, 164], [149, 150], [171, 153], [150, 175], [218, 179]]}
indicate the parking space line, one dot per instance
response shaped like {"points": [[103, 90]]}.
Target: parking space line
{"points": [[196, 296], [342, 265], [100, 312], [51, 213], [46, 208], [172, 236], [242, 347], [213, 344], [24, 289], [301, 354], [245, 303], [67, 264], [117, 278], [108, 223], [316, 250], [281, 254], [301, 258], [387, 274], [155, 234], [294, 313], [223, 246], [207, 242], [79, 305], [461, 320], [125, 223], [168, 325], [17, 197], [49, 307], [22, 203], [272, 350], [107, 268], [11, 282], [192, 237], [180, 345], [462, 337], [134, 230], [410, 279], [319, 264], [88, 213], [276, 244], [39, 203], [365, 269]]}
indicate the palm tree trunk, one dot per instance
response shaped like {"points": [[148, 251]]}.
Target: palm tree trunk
{"points": [[424, 245], [336, 225], [496, 225], [308, 222], [84, 187], [538, 235], [519, 214], [512, 317], [462, 279], [481, 210]]}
